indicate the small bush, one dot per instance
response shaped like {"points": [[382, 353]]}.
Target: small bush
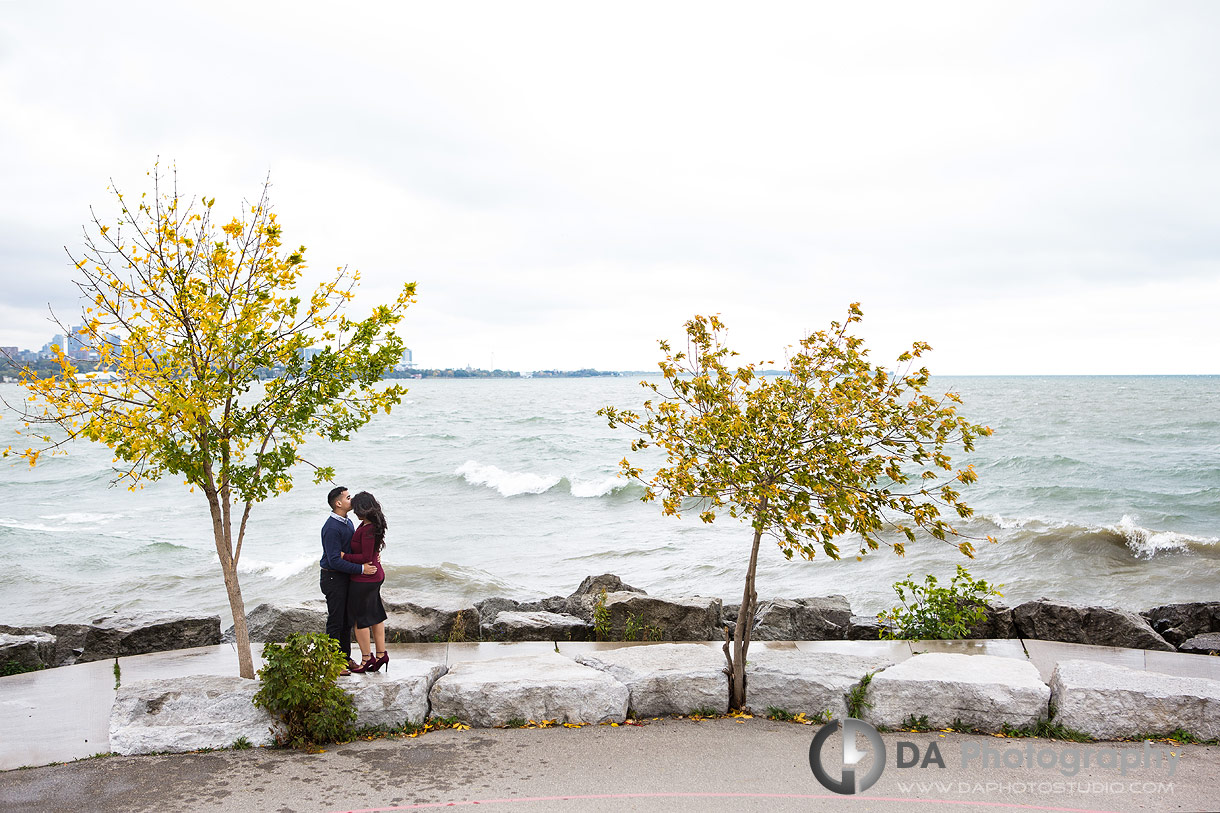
{"points": [[242, 744], [913, 723], [457, 634], [1045, 729], [299, 687], [601, 618], [930, 612], [855, 698], [14, 668], [637, 629]]}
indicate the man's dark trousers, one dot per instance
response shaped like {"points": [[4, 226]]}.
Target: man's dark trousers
{"points": [[338, 625]]}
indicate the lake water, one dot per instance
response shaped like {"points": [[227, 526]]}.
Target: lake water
{"points": [[1099, 490]]}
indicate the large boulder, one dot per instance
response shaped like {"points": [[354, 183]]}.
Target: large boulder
{"points": [[186, 714], [687, 618], [865, 628], [982, 691], [1110, 702], [387, 701], [594, 585], [417, 619], [1177, 622], [666, 678], [1206, 644], [804, 619], [28, 652], [539, 626], [275, 622], [1047, 620], [489, 608], [70, 640], [811, 683], [582, 602], [579, 606], [528, 687], [120, 635], [997, 623]]}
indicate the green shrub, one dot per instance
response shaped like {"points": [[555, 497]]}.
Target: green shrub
{"points": [[637, 629], [931, 612], [14, 668], [856, 704], [299, 687], [601, 618]]}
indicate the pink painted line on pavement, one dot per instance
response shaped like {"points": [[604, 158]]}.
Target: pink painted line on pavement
{"points": [[597, 796]]}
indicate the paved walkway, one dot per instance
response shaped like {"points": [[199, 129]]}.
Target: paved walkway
{"points": [[57, 715], [670, 766]]}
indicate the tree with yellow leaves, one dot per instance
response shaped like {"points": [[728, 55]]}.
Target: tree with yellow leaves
{"points": [[835, 446], [184, 315]]}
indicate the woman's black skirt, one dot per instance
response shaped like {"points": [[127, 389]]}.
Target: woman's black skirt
{"points": [[364, 606]]}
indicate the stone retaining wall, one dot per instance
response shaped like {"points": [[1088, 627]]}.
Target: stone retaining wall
{"points": [[630, 614], [982, 692]]}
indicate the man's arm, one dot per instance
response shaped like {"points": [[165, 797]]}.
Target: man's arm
{"points": [[332, 545]]}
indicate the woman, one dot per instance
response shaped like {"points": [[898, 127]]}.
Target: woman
{"points": [[364, 595]]}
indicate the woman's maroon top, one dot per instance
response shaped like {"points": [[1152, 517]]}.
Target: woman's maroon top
{"points": [[364, 549]]}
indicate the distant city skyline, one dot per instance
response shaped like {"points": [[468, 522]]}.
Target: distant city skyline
{"points": [[1030, 188]]}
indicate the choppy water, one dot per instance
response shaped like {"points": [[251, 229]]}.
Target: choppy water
{"points": [[1099, 489]]}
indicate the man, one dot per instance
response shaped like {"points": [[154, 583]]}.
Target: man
{"points": [[336, 572]]}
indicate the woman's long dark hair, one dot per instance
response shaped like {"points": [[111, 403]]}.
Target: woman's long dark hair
{"points": [[366, 507]]}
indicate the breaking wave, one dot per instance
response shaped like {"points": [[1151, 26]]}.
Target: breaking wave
{"points": [[278, 570], [1143, 543], [1146, 543], [515, 483]]}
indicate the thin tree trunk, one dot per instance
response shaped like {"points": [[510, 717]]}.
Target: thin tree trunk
{"points": [[745, 622], [245, 662]]}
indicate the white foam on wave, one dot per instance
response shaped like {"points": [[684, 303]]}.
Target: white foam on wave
{"points": [[277, 570], [77, 518], [594, 488], [508, 483], [26, 526], [1019, 523], [1146, 543]]}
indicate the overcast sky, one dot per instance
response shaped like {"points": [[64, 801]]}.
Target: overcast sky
{"points": [[1031, 188]]}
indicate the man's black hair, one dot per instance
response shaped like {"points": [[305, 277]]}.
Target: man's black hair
{"points": [[334, 495]]}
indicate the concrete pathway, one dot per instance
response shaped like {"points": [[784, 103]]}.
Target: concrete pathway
{"points": [[668, 766]]}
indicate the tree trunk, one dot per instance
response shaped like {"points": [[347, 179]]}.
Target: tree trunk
{"points": [[245, 662], [745, 621]]}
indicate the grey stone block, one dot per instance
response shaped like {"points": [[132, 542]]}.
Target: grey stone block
{"points": [[1109, 702], [666, 678], [528, 687], [186, 714], [982, 691]]}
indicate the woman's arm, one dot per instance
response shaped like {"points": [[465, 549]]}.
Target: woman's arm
{"points": [[362, 546]]}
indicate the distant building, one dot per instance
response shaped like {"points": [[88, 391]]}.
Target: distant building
{"points": [[74, 345], [408, 361]]}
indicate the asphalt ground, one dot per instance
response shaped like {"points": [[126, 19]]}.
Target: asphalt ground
{"points": [[668, 765]]}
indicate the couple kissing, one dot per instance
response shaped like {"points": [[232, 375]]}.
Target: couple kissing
{"points": [[352, 576]]}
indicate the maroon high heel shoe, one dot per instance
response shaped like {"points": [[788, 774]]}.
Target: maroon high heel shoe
{"points": [[359, 669], [382, 660]]}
